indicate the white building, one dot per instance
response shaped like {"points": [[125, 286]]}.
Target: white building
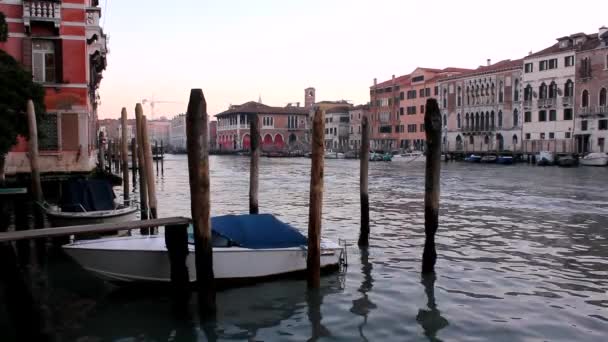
{"points": [[356, 116], [548, 86], [337, 128], [177, 133]]}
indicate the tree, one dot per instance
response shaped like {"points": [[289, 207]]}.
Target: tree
{"points": [[16, 87]]}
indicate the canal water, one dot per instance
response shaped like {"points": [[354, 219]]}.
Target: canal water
{"points": [[522, 256]]}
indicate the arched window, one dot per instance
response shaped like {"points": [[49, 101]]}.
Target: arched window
{"points": [[500, 119], [459, 96], [487, 121], [516, 90], [542, 91], [471, 140], [515, 118], [486, 140], [514, 141], [500, 92], [569, 88], [528, 93], [553, 90], [476, 121], [468, 98], [466, 121], [603, 97], [458, 120], [445, 120], [492, 120], [481, 125], [585, 99], [445, 98]]}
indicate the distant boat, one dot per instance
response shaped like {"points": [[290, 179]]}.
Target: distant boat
{"points": [[567, 161], [595, 159], [545, 158], [490, 158], [412, 156], [334, 155], [504, 160], [351, 155], [377, 156], [244, 247], [473, 158]]}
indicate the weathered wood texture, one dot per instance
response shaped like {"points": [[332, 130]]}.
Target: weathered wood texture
{"points": [[134, 159], [313, 258], [432, 128], [363, 183], [125, 156], [149, 170], [254, 171], [198, 171], [143, 188], [33, 151]]}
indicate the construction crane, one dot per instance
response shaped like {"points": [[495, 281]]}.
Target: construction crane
{"points": [[153, 102]]}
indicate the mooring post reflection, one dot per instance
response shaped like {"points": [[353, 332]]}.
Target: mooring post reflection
{"points": [[314, 299], [430, 318], [362, 306]]}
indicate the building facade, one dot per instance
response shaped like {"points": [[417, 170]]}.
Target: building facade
{"points": [[159, 131], [591, 111], [384, 113], [548, 104], [481, 109], [64, 47], [356, 114], [337, 128], [177, 133], [281, 128]]}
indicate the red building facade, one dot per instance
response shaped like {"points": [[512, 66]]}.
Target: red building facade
{"points": [[64, 47]]}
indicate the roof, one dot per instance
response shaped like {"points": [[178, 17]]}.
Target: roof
{"points": [[361, 107], [253, 107], [405, 80], [591, 42], [503, 65], [338, 109]]}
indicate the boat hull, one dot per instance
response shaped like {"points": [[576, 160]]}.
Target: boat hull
{"points": [[63, 219], [143, 258], [595, 159]]}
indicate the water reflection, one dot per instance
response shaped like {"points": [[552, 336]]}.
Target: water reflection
{"points": [[430, 318], [362, 306]]}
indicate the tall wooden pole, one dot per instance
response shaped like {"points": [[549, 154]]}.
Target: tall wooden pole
{"points": [[149, 170], [254, 137], [143, 188], [102, 154], [125, 156], [134, 158], [313, 259], [432, 128], [363, 183], [33, 152], [198, 171]]}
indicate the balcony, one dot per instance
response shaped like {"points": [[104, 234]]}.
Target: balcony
{"points": [[546, 103], [46, 11], [593, 110], [567, 101], [527, 104]]}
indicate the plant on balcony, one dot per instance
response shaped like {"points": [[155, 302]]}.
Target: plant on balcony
{"points": [[16, 87]]}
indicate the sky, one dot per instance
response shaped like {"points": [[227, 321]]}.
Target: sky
{"points": [[241, 50]]}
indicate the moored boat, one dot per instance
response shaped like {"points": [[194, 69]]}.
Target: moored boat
{"points": [[545, 158], [244, 247], [334, 155], [412, 156], [473, 158], [504, 160], [595, 159], [489, 158], [567, 161]]}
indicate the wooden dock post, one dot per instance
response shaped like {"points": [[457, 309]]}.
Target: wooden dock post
{"points": [[313, 258], [33, 152], [102, 153], [149, 172], [176, 240], [363, 183], [432, 127], [134, 158], [125, 156], [143, 188], [198, 171], [254, 134]]}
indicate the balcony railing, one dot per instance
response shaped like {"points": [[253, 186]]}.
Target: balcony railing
{"points": [[544, 103], [567, 101], [527, 103], [473, 129], [42, 11], [593, 110]]}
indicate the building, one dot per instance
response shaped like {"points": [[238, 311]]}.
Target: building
{"points": [[112, 129], [281, 128], [591, 84], [481, 108], [65, 48], [356, 116], [177, 133], [548, 89], [159, 131], [384, 113], [337, 127], [213, 135]]}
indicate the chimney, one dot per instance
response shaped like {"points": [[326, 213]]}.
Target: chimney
{"points": [[489, 62], [375, 81], [298, 104]]}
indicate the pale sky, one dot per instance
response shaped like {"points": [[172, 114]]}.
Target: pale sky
{"points": [[237, 50]]}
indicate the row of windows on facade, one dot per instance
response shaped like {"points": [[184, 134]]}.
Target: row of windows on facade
{"points": [[267, 121], [549, 64], [602, 125], [343, 119], [549, 92], [411, 94], [412, 128], [550, 135], [542, 115], [482, 121], [476, 94]]}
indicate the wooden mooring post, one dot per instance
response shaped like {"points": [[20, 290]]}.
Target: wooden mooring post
{"points": [[254, 134], [432, 128], [363, 183], [125, 156], [134, 158], [33, 152], [149, 171], [198, 171], [313, 257], [143, 188]]}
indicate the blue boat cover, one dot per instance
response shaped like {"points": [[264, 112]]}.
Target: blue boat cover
{"points": [[256, 231], [90, 194]]}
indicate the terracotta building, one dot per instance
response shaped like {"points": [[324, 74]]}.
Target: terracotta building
{"points": [[591, 129], [63, 46], [481, 108], [384, 113]]}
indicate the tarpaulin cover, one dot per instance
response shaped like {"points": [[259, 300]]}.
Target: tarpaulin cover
{"points": [[91, 194], [257, 231]]}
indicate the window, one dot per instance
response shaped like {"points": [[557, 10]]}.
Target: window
{"points": [[499, 118], [436, 90], [459, 99], [396, 128], [553, 90], [445, 120], [569, 88], [427, 92], [542, 91], [569, 61], [418, 79], [411, 128], [421, 127], [551, 135], [48, 136], [603, 124], [603, 97], [401, 111], [421, 92], [401, 95], [411, 110], [528, 68], [500, 92], [528, 117], [421, 109], [43, 61], [583, 125], [585, 99], [515, 118], [568, 114], [542, 135], [385, 129], [567, 135], [411, 94], [552, 115], [553, 63], [458, 120], [542, 115], [268, 121], [445, 98], [528, 93], [585, 69], [527, 136], [542, 65], [516, 91]]}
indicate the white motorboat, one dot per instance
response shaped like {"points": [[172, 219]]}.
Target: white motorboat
{"points": [[545, 158], [58, 218], [595, 159], [244, 247], [412, 156], [334, 155]]}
